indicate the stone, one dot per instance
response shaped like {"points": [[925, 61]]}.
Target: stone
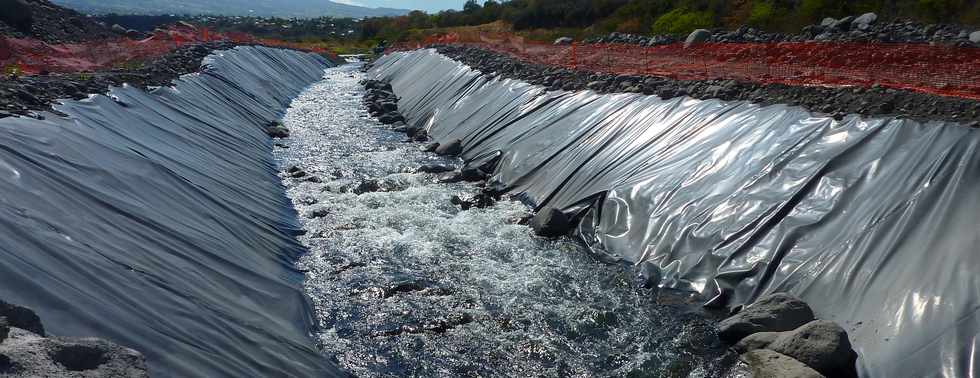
{"points": [[773, 313], [118, 29], [975, 37], [551, 223], [821, 345], [755, 341], [29, 355], [865, 19], [277, 132], [828, 22], [564, 41], [696, 37], [765, 363], [21, 317], [436, 168], [367, 186], [843, 24], [391, 118], [452, 148]]}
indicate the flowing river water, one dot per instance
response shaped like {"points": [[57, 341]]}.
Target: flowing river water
{"points": [[406, 283]]}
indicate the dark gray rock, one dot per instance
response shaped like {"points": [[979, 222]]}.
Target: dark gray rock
{"points": [[367, 186], [436, 168], [821, 345], [277, 131], [29, 355], [551, 223], [975, 37], [768, 364], [391, 117], [828, 22], [21, 317], [755, 341], [773, 313], [118, 29], [452, 148], [696, 37]]}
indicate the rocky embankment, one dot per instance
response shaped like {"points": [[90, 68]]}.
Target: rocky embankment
{"points": [[48, 22], [25, 95], [837, 102], [863, 28], [26, 351]]}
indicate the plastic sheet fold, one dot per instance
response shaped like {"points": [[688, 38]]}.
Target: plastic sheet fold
{"points": [[874, 222], [157, 220]]}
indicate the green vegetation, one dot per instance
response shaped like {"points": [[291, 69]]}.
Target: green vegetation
{"points": [[593, 17]]}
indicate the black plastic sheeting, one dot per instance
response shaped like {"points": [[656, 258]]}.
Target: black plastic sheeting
{"points": [[874, 222], [157, 220]]}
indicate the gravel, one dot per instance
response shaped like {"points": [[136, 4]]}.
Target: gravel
{"points": [[836, 101]]}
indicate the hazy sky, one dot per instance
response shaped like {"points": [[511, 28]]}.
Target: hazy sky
{"points": [[426, 5]]}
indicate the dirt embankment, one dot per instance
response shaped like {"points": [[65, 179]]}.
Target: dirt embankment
{"points": [[835, 101]]}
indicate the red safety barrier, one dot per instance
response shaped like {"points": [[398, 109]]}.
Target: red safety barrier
{"points": [[936, 69]]}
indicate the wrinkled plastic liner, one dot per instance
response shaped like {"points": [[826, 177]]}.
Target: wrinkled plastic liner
{"points": [[871, 221], [157, 220]]}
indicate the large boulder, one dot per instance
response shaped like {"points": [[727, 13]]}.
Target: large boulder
{"points": [[773, 313], [768, 364], [17, 14], [975, 37], [26, 354], [829, 21], [696, 37], [756, 341], [21, 317], [564, 41], [821, 345]]}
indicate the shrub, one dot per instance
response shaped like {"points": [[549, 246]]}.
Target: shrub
{"points": [[681, 20]]}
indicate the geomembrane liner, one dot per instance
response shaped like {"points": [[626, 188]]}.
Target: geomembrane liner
{"points": [[157, 220], [873, 222]]}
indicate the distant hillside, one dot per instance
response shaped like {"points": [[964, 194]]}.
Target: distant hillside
{"points": [[265, 8]]}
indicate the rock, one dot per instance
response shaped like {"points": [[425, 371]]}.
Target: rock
{"points": [[865, 19], [21, 317], [318, 213], [118, 29], [821, 345], [773, 313], [696, 37], [828, 22], [453, 148], [277, 132], [472, 174], [436, 168], [391, 118], [30, 355], [564, 41], [768, 364], [755, 341], [551, 223], [843, 24], [431, 147], [975, 37], [367, 186], [133, 34]]}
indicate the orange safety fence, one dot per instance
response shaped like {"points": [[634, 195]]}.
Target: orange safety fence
{"points": [[936, 69], [32, 56]]}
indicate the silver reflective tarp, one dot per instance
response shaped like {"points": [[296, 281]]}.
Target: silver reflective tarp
{"points": [[157, 220], [874, 222]]}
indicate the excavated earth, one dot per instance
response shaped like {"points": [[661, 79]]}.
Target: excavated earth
{"points": [[836, 101]]}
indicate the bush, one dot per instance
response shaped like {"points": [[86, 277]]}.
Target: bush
{"points": [[681, 20]]}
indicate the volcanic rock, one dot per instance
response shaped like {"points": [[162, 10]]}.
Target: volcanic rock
{"points": [[696, 37], [551, 223], [773, 313], [821, 345], [768, 364], [452, 148]]}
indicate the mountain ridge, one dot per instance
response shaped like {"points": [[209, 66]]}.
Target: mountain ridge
{"points": [[264, 8]]}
